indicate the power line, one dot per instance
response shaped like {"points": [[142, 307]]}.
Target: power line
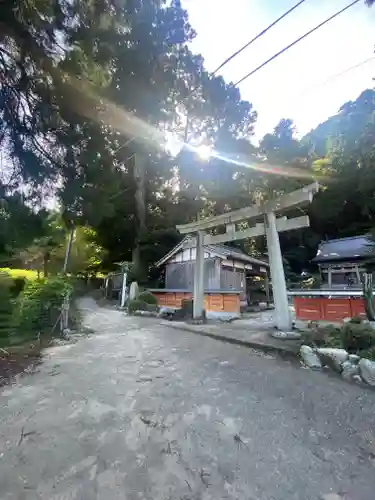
{"points": [[232, 56], [296, 41], [307, 90], [224, 63], [342, 73]]}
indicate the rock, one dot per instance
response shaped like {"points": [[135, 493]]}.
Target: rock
{"points": [[357, 378], [354, 358], [149, 314], [310, 357], [331, 496], [286, 335], [349, 369], [332, 357], [367, 371]]}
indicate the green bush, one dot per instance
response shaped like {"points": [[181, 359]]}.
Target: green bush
{"points": [[39, 304], [140, 305], [18, 284], [28, 274], [148, 298], [368, 353], [356, 320], [6, 306], [323, 335], [136, 305], [356, 337]]}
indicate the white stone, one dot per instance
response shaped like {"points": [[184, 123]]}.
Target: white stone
{"points": [[367, 371], [133, 291], [354, 358], [310, 357], [349, 369], [150, 314], [286, 335], [333, 357]]}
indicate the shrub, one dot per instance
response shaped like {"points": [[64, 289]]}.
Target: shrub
{"points": [[18, 284], [356, 320], [28, 274], [357, 336], [136, 305], [323, 335], [368, 353], [16, 281], [140, 305], [148, 298], [39, 304], [6, 305]]}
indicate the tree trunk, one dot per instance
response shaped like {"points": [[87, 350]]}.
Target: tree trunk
{"points": [[140, 206], [45, 264], [68, 250]]}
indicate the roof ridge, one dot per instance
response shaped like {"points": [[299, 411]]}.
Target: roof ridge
{"points": [[346, 238]]}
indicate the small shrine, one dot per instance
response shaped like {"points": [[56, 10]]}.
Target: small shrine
{"points": [[342, 264], [228, 273]]}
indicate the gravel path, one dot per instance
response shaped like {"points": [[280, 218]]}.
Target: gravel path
{"points": [[140, 411]]}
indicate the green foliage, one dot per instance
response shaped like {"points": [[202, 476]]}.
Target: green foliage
{"points": [[38, 306], [148, 298], [27, 274], [323, 336], [19, 224], [6, 305], [74, 76], [357, 337], [138, 305]]}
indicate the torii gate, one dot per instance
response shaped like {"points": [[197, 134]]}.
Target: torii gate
{"points": [[270, 226]]}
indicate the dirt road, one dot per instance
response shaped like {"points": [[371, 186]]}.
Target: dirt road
{"points": [[141, 411]]}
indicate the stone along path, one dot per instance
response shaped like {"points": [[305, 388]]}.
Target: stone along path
{"points": [[141, 411]]}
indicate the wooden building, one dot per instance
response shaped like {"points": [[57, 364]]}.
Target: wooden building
{"points": [[341, 263], [227, 272]]}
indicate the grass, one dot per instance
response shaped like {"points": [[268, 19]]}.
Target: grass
{"points": [[28, 274]]}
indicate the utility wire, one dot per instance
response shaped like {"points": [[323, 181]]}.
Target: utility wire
{"points": [[259, 35], [296, 41], [338, 75], [224, 63], [307, 90]]}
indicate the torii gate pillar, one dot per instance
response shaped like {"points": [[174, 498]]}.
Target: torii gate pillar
{"points": [[198, 303], [280, 296]]}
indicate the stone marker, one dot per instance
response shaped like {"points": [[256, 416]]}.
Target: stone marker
{"points": [[133, 291]]}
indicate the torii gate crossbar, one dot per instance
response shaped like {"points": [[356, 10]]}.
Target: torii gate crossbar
{"points": [[269, 226]]}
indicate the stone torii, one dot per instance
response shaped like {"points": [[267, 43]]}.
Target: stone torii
{"points": [[268, 220]]}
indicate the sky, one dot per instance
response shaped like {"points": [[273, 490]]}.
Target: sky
{"points": [[292, 86]]}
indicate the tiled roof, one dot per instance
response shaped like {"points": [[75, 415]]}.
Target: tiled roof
{"points": [[355, 247], [236, 253], [221, 250]]}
